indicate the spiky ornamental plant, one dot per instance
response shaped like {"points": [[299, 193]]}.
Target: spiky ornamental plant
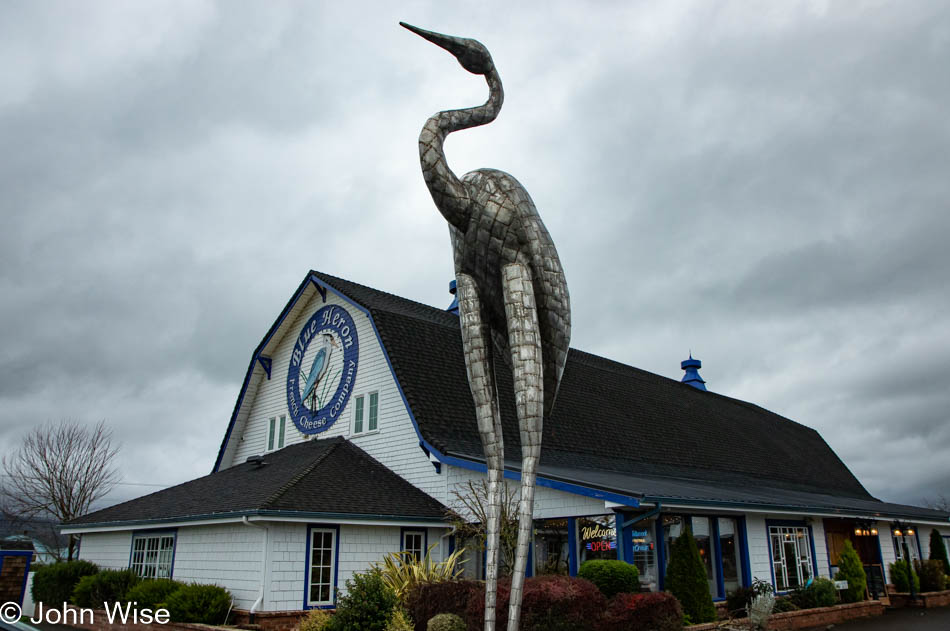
{"points": [[402, 570], [686, 579], [850, 569], [938, 551]]}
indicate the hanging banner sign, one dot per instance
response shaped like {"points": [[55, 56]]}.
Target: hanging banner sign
{"points": [[322, 369]]}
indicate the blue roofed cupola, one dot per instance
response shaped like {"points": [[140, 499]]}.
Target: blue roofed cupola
{"points": [[453, 289], [692, 366]]}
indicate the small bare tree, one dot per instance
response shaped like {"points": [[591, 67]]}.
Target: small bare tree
{"points": [[940, 502], [58, 472], [468, 512]]}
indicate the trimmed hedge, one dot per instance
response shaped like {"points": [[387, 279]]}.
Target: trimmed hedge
{"points": [[611, 576], [899, 576], [446, 622], [152, 592], [548, 603], [426, 600], [107, 586], [932, 578], [938, 551], [54, 584], [820, 593], [367, 606], [195, 602], [686, 579], [643, 612], [851, 569]]}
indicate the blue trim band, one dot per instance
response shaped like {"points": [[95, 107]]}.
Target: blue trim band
{"points": [[717, 548], [744, 551], [572, 546]]}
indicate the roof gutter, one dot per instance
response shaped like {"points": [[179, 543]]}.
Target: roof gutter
{"points": [[260, 599]]}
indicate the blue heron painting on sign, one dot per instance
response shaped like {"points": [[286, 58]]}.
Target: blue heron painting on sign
{"points": [[319, 367]]}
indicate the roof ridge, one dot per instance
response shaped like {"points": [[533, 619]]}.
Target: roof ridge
{"points": [[276, 495]]}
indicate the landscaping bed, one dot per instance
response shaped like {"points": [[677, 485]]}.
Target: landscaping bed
{"points": [[807, 618]]}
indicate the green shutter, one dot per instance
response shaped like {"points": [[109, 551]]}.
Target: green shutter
{"points": [[280, 440], [270, 434]]}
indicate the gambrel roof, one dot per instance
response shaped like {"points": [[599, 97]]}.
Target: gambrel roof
{"points": [[615, 427]]}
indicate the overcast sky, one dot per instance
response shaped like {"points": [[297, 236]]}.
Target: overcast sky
{"points": [[765, 184]]}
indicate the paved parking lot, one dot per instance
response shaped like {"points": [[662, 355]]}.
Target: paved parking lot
{"points": [[901, 619]]}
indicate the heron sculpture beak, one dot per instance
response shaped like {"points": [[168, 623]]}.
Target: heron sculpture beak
{"points": [[473, 56]]}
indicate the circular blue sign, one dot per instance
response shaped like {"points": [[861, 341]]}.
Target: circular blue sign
{"points": [[322, 369]]}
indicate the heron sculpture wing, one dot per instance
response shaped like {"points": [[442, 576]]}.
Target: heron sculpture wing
{"points": [[316, 371]]}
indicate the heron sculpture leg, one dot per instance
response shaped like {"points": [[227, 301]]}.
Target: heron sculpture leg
{"points": [[477, 347], [524, 339]]}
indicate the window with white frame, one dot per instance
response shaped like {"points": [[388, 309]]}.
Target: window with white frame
{"points": [[366, 413], [791, 556], [413, 542], [322, 566], [152, 555], [275, 433], [911, 541]]}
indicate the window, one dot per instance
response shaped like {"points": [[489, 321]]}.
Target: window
{"points": [[911, 540], [373, 411], [275, 435], [320, 584], [366, 413], [791, 556], [152, 555], [413, 542], [551, 547], [597, 537], [644, 552], [719, 544], [472, 561]]}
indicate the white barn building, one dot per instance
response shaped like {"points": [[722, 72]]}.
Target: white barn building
{"points": [[355, 424]]}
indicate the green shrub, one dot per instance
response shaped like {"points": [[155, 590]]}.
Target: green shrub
{"points": [[737, 602], [784, 604], [850, 569], [446, 622], [426, 600], [195, 602], [643, 612], [549, 603], [900, 576], [54, 584], [938, 551], [152, 592], [686, 579], [107, 586], [611, 577], [400, 621], [819, 593], [367, 606], [932, 578], [316, 620]]}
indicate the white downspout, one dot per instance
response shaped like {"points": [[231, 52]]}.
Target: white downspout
{"points": [[260, 599]]}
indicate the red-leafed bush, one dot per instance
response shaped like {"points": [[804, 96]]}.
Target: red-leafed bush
{"points": [[548, 603], [643, 612], [426, 600]]}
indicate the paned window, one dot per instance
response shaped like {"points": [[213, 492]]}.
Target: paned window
{"points": [[275, 434], [911, 541], [373, 411], [358, 415], [152, 555], [413, 543], [791, 556], [729, 549], [322, 566]]}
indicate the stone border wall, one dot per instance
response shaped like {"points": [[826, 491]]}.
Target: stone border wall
{"points": [[927, 600], [807, 618], [100, 622]]}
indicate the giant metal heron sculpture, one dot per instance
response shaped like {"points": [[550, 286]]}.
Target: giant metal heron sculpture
{"points": [[512, 295]]}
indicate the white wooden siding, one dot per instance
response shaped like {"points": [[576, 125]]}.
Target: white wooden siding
{"points": [[395, 444], [108, 550], [228, 555]]}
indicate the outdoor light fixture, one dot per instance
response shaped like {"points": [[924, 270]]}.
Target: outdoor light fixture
{"points": [[864, 528]]}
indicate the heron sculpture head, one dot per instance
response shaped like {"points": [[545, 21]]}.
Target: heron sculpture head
{"points": [[472, 54]]}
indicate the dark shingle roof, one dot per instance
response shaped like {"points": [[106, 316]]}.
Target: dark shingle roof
{"points": [[331, 477], [609, 417]]}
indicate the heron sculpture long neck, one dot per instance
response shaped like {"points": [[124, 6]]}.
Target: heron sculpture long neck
{"points": [[447, 191]]}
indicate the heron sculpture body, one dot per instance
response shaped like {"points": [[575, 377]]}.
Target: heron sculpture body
{"points": [[512, 298]]}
